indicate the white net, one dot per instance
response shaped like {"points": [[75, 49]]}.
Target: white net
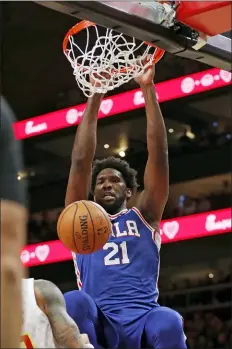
{"points": [[111, 61]]}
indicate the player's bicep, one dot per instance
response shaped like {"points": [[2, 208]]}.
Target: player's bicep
{"points": [[50, 300], [79, 183]]}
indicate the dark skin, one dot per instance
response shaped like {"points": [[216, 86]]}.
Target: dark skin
{"points": [[51, 301], [84, 148], [152, 200], [111, 191]]}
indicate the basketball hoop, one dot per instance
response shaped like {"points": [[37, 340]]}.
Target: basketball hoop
{"points": [[111, 59]]}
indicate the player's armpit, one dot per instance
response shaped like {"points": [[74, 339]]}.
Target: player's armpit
{"points": [[51, 302]]}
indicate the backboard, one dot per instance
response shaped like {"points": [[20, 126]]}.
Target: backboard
{"points": [[139, 19]]}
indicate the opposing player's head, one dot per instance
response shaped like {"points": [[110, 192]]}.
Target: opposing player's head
{"points": [[113, 183]]}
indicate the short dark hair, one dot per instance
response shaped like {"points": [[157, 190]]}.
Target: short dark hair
{"points": [[129, 174]]}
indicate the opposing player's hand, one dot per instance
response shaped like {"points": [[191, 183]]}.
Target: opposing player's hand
{"points": [[147, 77]]}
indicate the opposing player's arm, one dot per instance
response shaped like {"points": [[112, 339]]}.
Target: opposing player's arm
{"points": [[156, 177], [83, 152], [13, 224], [51, 301]]}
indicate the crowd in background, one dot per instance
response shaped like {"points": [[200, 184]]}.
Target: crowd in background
{"points": [[42, 225], [211, 329], [205, 304], [187, 205], [208, 321], [202, 139]]}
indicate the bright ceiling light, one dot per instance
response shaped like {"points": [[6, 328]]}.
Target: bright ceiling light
{"points": [[122, 154], [190, 135]]}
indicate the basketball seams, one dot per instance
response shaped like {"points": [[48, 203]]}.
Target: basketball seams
{"points": [[104, 213], [73, 223], [73, 230], [69, 223], [92, 225]]}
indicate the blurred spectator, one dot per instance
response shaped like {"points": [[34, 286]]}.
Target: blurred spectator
{"points": [[226, 188], [185, 141], [42, 225], [189, 207], [209, 328], [203, 138], [200, 140], [203, 205], [35, 227]]}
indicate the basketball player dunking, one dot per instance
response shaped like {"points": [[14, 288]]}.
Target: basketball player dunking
{"points": [[117, 306]]}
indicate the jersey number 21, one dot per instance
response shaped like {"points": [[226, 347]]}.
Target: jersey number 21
{"points": [[117, 255]]}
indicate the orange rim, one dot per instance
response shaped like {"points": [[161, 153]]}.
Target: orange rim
{"points": [[158, 54], [75, 30]]}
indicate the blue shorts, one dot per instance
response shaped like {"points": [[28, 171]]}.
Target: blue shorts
{"points": [[159, 328]]}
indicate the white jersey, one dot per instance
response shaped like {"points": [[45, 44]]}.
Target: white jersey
{"points": [[36, 332]]}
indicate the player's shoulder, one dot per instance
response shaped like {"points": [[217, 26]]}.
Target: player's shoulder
{"points": [[41, 283], [127, 212], [47, 290], [145, 219]]}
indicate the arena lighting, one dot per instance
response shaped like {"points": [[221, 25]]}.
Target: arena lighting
{"points": [[122, 154], [123, 102], [176, 229]]}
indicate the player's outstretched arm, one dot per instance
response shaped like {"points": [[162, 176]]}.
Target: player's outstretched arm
{"points": [[83, 153], [65, 331], [156, 177]]}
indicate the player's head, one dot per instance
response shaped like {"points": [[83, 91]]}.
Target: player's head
{"points": [[113, 183]]}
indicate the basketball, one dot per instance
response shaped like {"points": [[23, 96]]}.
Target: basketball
{"points": [[84, 227]]}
